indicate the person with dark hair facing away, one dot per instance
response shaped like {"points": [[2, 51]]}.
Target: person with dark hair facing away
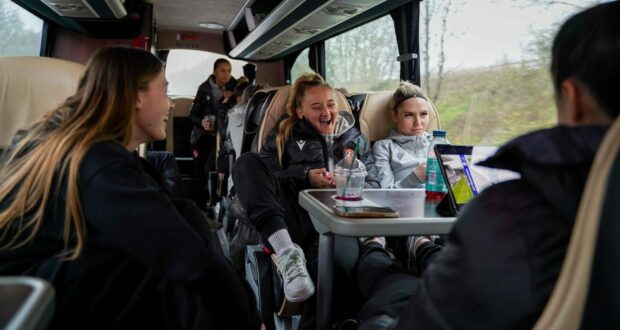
{"points": [[249, 70], [80, 209], [204, 115], [295, 157], [505, 252]]}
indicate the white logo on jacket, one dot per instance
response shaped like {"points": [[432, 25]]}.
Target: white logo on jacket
{"points": [[300, 144]]}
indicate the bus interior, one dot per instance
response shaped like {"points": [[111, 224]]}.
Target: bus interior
{"points": [[271, 42]]}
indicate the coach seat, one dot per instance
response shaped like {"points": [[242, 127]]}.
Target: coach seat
{"points": [[374, 118], [31, 86]]}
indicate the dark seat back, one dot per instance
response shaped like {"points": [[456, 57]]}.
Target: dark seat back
{"points": [[257, 107], [181, 127]]}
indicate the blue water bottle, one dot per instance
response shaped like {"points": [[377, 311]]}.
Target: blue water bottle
{"points": [[435, 184]]}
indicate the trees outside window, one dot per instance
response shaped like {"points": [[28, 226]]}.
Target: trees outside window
{"points": [[301, 65], [364, 59], [486, 65], [20, 31]]}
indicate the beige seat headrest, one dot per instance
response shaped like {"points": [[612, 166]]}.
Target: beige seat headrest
{"points": [[277, 107], [30, 87], [375, 120], [182, 105]]}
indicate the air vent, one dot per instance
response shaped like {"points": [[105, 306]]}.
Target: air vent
{"points": [[306, 30], [341, 10], [88, 9], [71, 8]]}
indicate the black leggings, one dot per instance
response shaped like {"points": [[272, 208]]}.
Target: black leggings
{"points": [[386, 285], [203, 153], [271, 206]]}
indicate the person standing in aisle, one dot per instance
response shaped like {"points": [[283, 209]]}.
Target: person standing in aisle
{"points": [[209, 98]]}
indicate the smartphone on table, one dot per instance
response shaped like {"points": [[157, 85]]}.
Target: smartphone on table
{"points": [[365, 211]]}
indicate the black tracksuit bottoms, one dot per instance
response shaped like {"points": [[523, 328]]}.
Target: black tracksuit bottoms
{"points": [[271, 206], [386, 285]]}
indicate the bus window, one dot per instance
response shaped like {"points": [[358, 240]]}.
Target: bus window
{"points": [[301, 65], [20, 31], [187, 69], [364, 59], [488, 74]]}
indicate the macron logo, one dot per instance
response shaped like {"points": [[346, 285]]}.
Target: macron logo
{"points": [[300, 144]]}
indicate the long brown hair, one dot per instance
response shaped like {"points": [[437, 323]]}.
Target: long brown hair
{"points": [[305, 81], [51, 150]]}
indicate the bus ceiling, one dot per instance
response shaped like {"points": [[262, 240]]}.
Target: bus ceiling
{"points": [[251, 30], [109, 19]]}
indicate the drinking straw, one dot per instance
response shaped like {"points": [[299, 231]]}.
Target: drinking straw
{"points": [[346, 184]]}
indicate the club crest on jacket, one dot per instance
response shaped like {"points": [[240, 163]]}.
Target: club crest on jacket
{"points": [[300, 144]]}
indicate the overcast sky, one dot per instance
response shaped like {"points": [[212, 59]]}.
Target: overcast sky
{"points": [[485, 32]]}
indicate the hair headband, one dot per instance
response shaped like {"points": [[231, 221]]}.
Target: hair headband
{"points": [[406, 98]]}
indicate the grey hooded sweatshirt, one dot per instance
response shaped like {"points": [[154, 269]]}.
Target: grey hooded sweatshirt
{"points": [[397, 157]]}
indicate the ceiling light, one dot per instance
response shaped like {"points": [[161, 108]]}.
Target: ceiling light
{"points": [[341, 10], [306, 30], [211, 26]]}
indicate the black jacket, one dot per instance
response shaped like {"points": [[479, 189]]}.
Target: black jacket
{"points": [[147, 259], [506, 249], [307, 149], [206, 103]]}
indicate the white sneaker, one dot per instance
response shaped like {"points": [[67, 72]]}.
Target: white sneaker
{"points": [[297, 283], [377, 239], [411, 243]]}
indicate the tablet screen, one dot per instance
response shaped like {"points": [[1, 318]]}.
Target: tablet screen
{"points": [[465, 179]]}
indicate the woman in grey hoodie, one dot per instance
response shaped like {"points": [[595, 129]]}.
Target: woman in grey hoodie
{"points": [[401, 158]]}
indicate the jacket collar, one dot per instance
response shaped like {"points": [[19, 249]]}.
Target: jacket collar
{"points": [[344, 122], [554, 161], [212, 82], [403, 139], [560, 146]]}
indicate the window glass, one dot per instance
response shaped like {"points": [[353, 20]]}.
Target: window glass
{"points": [[488, 74], [187, 69], [364, 59], [20, 31], [301, 65]]}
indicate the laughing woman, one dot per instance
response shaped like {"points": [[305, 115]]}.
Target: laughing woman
{"points": [[81, 210], [295, 157]]}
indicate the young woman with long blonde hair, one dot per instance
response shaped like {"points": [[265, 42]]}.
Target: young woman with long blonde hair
{"points": [[80, 209]]}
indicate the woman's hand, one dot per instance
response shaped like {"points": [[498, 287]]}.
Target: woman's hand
{"points": [[420, 172], [320, 178], [227, 94]]}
